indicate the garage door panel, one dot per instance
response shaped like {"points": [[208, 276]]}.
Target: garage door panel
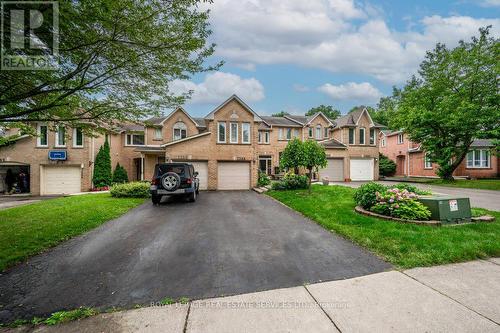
{"points": [[202, 169], [61, 180], [362, 169], [334, 169], [233, 176]]}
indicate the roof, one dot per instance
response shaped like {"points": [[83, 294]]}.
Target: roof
{"points": [[299, 119], [256, 117], [280, 121], [131, 128], [150, 149], [171, 143], [332, 143], [352, 118], [483, 143], [264, 126], [200, 122]]}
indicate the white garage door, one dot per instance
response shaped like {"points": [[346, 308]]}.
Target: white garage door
{"points": [[202, 169], [61, 179], [362, 169], [233, 176], [334, 170]]}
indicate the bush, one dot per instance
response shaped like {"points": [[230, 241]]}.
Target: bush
{"points": [[130, 190], [291, 182], [120, 174], [386, 166], [400, 203], [263, 179], [410, 188], [366, 195], [102, 167]]}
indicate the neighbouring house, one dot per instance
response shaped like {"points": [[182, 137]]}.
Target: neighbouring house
{"points": [[228, 147], [411, 160]]}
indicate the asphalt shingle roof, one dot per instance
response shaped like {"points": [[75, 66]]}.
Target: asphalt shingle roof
{"points": [[332, 143], [280, 121]]}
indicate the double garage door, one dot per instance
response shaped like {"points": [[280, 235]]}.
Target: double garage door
{"points": [[233, 175], [60, 179]]}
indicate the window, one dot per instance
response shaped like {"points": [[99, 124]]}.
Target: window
{"points": [[352, 135], [326, 132], [77, 137], [427, 162], [233, 132], [382, 142], [42, 133], [478, 158], [288, 133], [158, 134], [221, 132], [136, 139], [400, 138], [245, 132], [372, 136], [180, 130], [318, 132], [296, 133], [310, 132], [61, 136], [362, 136], [263, 137], [280, 134]]}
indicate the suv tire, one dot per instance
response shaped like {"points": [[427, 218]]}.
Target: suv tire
{"points": [[192, 196], [170, 181], [156, 199]]}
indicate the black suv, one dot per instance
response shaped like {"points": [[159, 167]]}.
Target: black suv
{"points": [[174, 179]]}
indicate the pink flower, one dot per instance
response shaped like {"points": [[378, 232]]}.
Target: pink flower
{"points": [[396, 206]]}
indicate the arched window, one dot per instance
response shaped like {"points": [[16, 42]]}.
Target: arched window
{"points": [[180, 130]]}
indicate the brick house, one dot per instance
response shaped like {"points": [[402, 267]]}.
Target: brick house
{"points": [[227, 147], [411, 160]]}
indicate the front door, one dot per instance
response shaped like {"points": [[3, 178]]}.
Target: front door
{"points": [[400, 166], [138, 168], [265, 164]]}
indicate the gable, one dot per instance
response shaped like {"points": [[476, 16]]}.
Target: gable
{"points": [[365, 119], [178, 114], [233, 103], [321, 119]]}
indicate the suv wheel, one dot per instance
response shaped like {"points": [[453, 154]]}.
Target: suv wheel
{"points": [[192, 196], [156, 199]]}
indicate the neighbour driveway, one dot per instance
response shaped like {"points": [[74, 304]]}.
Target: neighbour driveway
{"points": [[487, 199], [225, 243]]}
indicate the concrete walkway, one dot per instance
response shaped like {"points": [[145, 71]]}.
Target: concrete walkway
{"points": [[451, 298]]}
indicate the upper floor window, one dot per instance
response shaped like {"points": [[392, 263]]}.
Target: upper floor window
{"points": [[233, 132], [326, 132], [245, 132], [42, 136], [135, 139], [280, 134], [362, 136], [180, 130], [221, 132], [310, 132], [158, 133], [296, 133], [352, 136], [288, 133], [400, 138], [478, 158], [382, 142], [263, 136], [61, 136], [77, 137], [427, 162], [372, 136], [318, 132]]}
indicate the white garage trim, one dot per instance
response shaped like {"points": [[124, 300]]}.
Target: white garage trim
{"points": [[334, 170], [362, 169], [202, 169], [60, 179], [233, 175]]}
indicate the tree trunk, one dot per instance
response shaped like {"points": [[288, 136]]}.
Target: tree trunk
{"points": [[446, 171], [310, 180]]}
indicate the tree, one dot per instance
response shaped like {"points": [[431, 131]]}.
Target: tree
{"points": [[120, 174], [117, 59], [102, 167], [293, 156], [386, 108], [368, 108], [327, 110], [280, 114], [313, 158], [453, 101], [387, 167]]}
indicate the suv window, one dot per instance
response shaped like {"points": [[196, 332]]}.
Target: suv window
{"points": [[164, 168]]}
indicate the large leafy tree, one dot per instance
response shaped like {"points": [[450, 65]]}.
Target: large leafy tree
{"points": [[385, 108], [454, 100], [314, 157], [117, 59], [327, 110], [293, 156]]}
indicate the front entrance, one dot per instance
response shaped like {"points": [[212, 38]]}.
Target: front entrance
{"points": [[14, 178], [138, 168], [265, 165], [400, 166]]}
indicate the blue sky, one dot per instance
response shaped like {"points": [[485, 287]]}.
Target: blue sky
{"points": [[293, 55]]}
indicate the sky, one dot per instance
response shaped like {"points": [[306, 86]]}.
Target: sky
{"points": [[293, 55]]}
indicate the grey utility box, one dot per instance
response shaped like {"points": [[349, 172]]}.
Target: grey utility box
{"points": [[448, 209]]}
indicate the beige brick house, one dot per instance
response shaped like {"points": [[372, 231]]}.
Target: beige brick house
{"points": [[227, 147]]}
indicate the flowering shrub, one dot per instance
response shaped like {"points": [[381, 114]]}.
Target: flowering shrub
{"points": [[401, 204], [365, 195]]}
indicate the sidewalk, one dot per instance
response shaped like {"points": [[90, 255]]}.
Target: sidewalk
{"points": [[451, 298]]}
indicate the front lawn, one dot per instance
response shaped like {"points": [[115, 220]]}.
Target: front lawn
{"points": [[482, 184], [404, 245], [30, 229]]}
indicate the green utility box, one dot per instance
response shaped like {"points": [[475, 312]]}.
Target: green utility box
{"points": [[447, 209]]}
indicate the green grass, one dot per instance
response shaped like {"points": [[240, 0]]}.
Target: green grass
{"points": [[404, 245], [29, 230], [482, 184]]}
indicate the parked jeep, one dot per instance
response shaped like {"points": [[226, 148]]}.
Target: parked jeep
{"points": [[174, 179]]}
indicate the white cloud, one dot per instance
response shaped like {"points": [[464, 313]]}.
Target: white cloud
{"points": [[490, 3], [246, 66], [219, 86], [351, 91], [300, 88], [335, 35]]}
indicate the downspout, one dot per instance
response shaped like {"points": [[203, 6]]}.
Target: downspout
{"points": [[142, 166]]}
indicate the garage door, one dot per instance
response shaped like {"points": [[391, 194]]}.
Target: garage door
{"points": [[202, 169], [334, 169], [233, 176], [361, 169], [59, 180]]}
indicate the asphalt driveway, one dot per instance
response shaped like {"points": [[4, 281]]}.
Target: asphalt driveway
{"points": [[225, 243]]}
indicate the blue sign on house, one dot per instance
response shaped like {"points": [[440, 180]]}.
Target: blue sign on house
{"points": [[58, 155]]}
